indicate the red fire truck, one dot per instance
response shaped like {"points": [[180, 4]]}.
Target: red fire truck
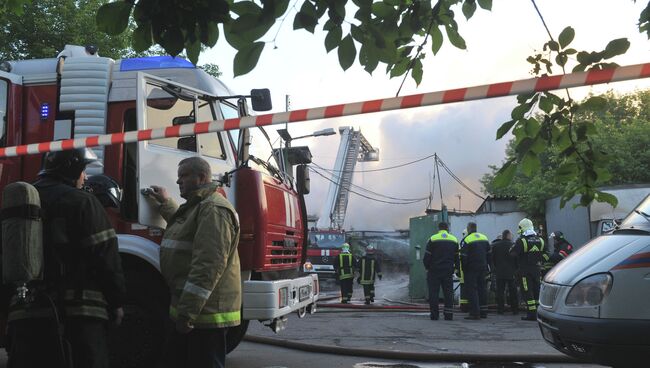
{"points": [[79, 94]]}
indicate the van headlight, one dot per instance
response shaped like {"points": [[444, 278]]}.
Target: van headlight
{"points": [[589, 291]]}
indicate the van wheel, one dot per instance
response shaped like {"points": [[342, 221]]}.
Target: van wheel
{"points": [[138, 342], [235, 335]]}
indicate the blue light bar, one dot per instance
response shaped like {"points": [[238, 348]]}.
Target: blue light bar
{"points": [[154, 62], [45, 110]]}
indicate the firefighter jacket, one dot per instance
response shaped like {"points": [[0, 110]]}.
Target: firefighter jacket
{"points": [[475, 253], [344, 266], [83, 273], [529, 253], [502, 265], [561, 250], [369, 267], [199, 259], [441, 255]]}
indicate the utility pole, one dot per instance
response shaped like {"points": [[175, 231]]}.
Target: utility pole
{"points": [[459, 196]]}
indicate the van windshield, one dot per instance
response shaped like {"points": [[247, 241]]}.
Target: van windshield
{"points": [[640, 217]]}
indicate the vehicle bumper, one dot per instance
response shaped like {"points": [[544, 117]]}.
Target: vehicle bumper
{"points": [[270, 300], [323, 271], [598, 340]]}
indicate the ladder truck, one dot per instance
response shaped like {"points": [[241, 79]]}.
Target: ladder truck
{"points": [[326, 238], [79, 94]]}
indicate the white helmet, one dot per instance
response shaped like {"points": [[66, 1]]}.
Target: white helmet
{"points": [[525, 225], [345, 247]]}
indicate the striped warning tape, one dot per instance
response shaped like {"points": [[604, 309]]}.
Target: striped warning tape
{"points": [[396, 103]]}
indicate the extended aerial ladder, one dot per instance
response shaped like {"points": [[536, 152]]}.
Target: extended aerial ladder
{"points": [[354, 148]]}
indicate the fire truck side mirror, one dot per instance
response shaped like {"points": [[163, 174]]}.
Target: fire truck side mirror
{"points": [[261, 99], [302, 179]]}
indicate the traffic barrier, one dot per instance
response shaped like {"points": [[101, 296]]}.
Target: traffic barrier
{"points": [[541, 84]]}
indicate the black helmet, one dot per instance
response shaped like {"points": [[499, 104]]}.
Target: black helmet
{"points": [[557, 235], [69, 164], [105, 189]]}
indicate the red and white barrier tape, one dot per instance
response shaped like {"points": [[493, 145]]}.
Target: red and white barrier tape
{"points": [[396, 103]]}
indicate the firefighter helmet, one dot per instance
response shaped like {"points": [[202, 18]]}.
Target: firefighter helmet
{"points": [[105, 189], [345, 247], [525, 225], [69, 164], [557, 235], [370, 249]]}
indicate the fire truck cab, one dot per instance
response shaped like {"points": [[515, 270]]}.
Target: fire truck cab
{"points": [[79, 95]]}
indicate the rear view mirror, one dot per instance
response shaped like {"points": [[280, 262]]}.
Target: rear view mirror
{"points": [[261, 99], [187, 143], [182, 120], [302, 179]]}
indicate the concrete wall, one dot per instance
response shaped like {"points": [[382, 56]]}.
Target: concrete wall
{"points": [[490, 224]]}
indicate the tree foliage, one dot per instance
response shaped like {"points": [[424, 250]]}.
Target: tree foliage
{"points": [[44, 27], [621, 131]]}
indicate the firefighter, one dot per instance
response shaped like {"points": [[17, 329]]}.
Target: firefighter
{"points": [[529, 253], [83, 282], [369, 268], [440, 261], [474, 257], [344, 267], [561, 248], [503, 268], [199, 261]]}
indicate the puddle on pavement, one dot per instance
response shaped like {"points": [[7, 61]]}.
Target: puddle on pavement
{"points": [[447, 365]]}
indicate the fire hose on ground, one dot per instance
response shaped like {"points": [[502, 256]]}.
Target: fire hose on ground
{"points": [[402, 355]]}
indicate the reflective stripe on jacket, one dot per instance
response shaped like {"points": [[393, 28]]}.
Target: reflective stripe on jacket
{"points": [[475, 253], [369, 267], [199, 259], [343, 266], [441, 254]]}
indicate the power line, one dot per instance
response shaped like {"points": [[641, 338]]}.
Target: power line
{"points": [[375, 193], [364, 196], [380, 169], [457, 179]]}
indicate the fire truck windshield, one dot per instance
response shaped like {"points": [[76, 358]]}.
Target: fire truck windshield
{"points": [[326, 240]]}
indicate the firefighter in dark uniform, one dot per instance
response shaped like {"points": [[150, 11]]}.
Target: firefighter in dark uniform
{"points": [[504, 268], [561, 249], [369, 268], [344, 267], [440, 261], [474, 257], [529, 252], [83, 283]]}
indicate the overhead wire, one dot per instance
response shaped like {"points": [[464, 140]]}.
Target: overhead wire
{"points": [[375, 193], [362, 195], [457, 179], [380, 169]]}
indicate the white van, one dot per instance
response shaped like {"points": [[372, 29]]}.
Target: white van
{"points": [[595, 305]]}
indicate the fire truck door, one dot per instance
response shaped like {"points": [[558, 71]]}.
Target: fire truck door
{"points": [[10, 105], [162, 103]]}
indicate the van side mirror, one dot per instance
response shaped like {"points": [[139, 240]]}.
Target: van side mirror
{"points": [[187, 143], [302, 179], [261, 99]]}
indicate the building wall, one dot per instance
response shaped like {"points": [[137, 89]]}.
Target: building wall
{"points": [[490, 224]]}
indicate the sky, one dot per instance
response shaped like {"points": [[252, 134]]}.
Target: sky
{"points": [[462, 134]]}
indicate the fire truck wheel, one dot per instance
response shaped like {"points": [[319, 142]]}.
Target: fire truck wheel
{"points": [[138, 342], [235, 335]]}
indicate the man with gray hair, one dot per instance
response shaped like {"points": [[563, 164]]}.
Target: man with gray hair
{"points": [[200, 263]]}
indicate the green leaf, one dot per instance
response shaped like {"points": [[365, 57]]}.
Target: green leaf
{"points": [[469, 7], [505, 128], [530, 164], [212, 34], [505, 175], [521, 98], [607, 198], [561, 59], [553, 46], [247, 57], [242, 8], [455, 38], [521, 110], [172, 41], [566, 172], [400, 68], [141, 38], [306, 18], [545, 104], [485, 4], [193, 51], [616, 47], [347, 52], [113, 18], [566, 36], [417, 72], [595, 103], [383, 10], [333, 38], [368, 58], [436, 39], [531, 127]]}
